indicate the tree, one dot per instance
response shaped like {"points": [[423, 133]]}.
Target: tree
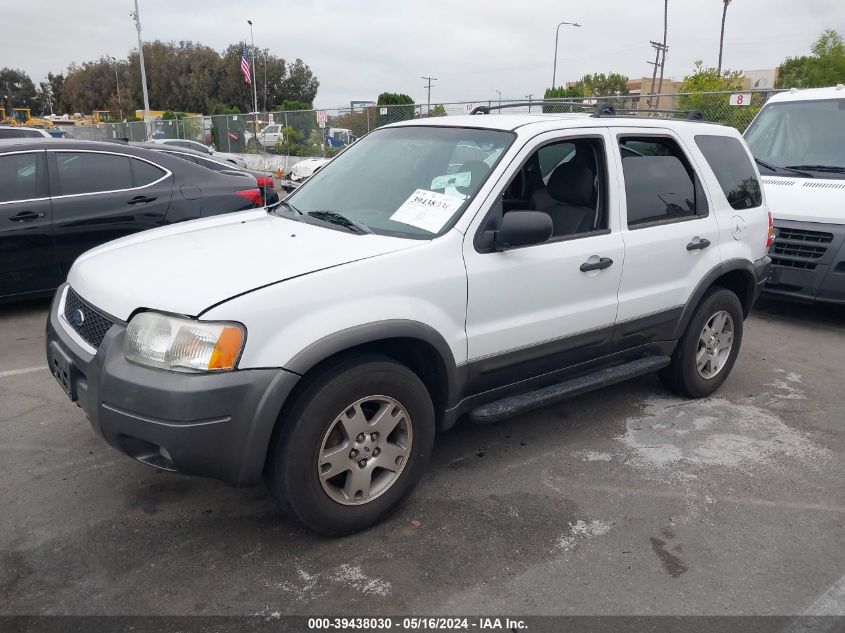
{"points": [[404, 112], [695, 94], [436, 110], [601, 85], [17, 90], [572, 92], [825, 67]]}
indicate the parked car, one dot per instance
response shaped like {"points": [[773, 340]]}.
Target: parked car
{"points": [[264, 182], [304, 169], [225, 157], [322, 344], [59, 198], [19, 131], [798, 139], [268, 136]]}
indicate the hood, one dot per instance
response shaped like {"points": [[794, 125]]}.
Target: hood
{"points": [[185, 268], [806, 199]]}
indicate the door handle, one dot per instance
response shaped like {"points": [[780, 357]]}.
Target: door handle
{"points": [[601, 264], [140, 199], [26, 216], [697, 245]]}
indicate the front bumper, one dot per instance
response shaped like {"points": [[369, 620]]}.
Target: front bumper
{"points": [[212, 425], [808, 262]]}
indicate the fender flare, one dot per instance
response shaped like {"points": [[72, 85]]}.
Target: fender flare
{"points": [[707, 281], [358, 335]]}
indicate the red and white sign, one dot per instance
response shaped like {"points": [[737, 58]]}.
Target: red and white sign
{"points": [[382, 111], [741, 99], [469, 107], [322, 116]]}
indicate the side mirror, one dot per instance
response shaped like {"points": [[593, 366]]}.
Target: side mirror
{"points": [[523, 228]]}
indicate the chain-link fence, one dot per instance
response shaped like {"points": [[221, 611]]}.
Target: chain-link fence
{"points": [[326, 132]]}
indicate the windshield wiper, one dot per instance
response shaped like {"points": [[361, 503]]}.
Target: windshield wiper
{"points": [[333, 217], [830, 168], [776, 169]]}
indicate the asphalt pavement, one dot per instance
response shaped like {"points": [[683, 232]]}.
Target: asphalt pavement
{"points": [[623, 501]]}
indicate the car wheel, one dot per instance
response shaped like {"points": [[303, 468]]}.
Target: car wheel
{"points": [[708, 349], [353, 445]]}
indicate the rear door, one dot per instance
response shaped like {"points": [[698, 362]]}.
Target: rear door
{"points": [[670, 231], [27, 259], [99, 196]]}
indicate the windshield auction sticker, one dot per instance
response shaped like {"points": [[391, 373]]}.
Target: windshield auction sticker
{"points": [[426, 210]]}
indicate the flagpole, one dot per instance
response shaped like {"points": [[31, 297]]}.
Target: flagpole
{"points": [[254, 88]]}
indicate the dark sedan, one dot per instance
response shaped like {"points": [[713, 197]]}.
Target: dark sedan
{"points": [[269, 195], [59, 198]]}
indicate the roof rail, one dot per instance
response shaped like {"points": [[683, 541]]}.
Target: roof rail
{"points": [[601, 109]]}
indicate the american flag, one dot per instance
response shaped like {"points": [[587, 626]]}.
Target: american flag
{"points": [[245, 66]]}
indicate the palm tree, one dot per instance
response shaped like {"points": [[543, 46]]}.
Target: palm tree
{"points": [[722, 36]]}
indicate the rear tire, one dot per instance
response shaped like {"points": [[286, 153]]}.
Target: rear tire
{"points": [[353, 445], [708, 348]]}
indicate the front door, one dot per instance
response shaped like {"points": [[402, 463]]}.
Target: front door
{"points": [[539, 308]]}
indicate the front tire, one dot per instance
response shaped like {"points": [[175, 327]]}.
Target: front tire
{"points": [[353, 445], [708, 349]]}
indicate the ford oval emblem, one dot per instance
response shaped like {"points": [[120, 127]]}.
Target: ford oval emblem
{"points": [[77, 317]]}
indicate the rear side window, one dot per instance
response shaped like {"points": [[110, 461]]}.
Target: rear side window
{"points": [[660, 183], [145, 173], [88, 172], [734, 171], [9, 133], [19, 177]]}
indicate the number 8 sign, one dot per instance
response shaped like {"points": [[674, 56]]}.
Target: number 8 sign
{"points": [[741, 99]]}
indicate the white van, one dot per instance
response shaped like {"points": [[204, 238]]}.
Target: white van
{"points": [[798, 139]]}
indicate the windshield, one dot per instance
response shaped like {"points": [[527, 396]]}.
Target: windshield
{"points": [[405, 181], [800, 134]]}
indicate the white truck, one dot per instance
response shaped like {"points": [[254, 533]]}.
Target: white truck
{"points": [[268, 136], [798, 139], [322, 344]]}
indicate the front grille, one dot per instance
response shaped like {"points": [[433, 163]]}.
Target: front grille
{"points": [[92, 326], [798, 250], [800, 235], [793, 263]]}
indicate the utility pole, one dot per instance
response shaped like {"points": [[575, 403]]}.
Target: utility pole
{"points": [[529, 97], [722, 36], [428, 86], [265, 78], [665, 48], [659, 50], [117, 80], [254, 89], [136, 16]]}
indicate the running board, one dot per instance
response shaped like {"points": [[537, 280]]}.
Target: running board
{"points": [[506, 407]]}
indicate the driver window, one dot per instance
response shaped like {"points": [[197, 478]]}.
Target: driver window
{"points": [[568, 181]]}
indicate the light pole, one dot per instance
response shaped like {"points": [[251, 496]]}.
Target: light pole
{"points": [[500, 95], [117, 80], [254, 88], [557, 36], [722, 36], [136, 16]]}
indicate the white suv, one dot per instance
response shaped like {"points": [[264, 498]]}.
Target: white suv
{"points": [[323, 343]]}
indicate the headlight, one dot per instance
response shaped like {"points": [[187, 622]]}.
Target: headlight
{"points": [[179, 344]]}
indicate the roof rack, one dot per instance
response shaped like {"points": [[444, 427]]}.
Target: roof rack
{"points": [[601, 109]]}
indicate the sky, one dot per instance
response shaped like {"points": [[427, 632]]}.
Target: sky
{"points": [[359, 48]]}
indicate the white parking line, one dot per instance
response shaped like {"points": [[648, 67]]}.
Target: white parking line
{"points": [[831, 602], [25, 370]]}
